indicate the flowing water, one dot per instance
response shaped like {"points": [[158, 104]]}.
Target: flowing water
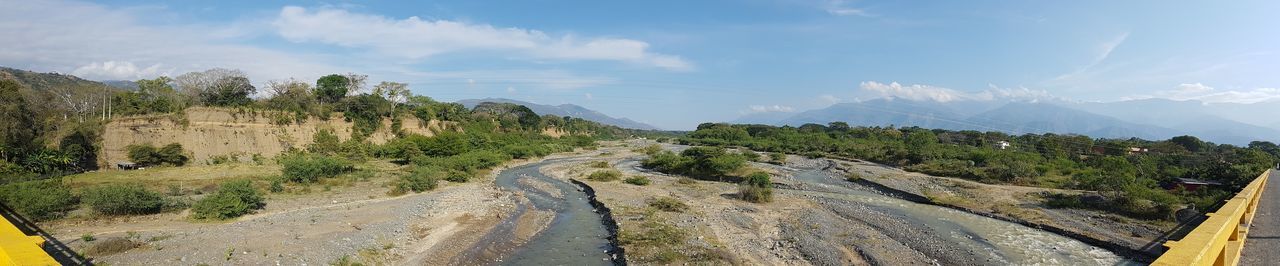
{"points": [[1005, 242], [575, 236]]}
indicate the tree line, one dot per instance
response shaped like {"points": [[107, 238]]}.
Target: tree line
{"points": [[1139, 176]]}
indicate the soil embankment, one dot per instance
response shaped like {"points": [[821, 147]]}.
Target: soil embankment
{"points": [[206, 132]]}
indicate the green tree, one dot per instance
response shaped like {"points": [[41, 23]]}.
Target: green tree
{"points": [[332, 88], [17, 122], [1190, 143]]}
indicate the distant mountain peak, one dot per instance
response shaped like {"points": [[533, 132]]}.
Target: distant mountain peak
{"points": [[566, 109]]}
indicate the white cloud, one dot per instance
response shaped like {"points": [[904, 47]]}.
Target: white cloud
{"points": [[828, 99], [912, 92], [841, 8], [101, 42], [917, 92], [588, 96], [548, 79], [771, 109], [511, 90], [118, 70], [416, 38], [1101, 51], [1207, 94]]}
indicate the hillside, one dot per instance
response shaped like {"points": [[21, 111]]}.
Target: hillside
{"points": [[884, 112], [208, 132], [1048, 118], [566, 110], [45, 81]]}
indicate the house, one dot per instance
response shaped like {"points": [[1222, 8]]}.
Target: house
{"points": [[1003, 145], [1190, 184], [1136, 150], [127, 166]]}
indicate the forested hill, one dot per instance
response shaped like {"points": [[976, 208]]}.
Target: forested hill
{"points": [[566, 110]]}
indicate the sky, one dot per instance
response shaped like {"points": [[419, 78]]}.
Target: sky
{"points": [[675, 64]]}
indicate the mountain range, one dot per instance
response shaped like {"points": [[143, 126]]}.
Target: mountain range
{"points": [[565, 110], [1152, 119]]}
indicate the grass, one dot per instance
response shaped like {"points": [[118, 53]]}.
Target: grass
{"points": [[653, 240], [668, 204], [111, 246], [852, 177], [637, 180], [605, 175], [161, 178], [599, 164]]}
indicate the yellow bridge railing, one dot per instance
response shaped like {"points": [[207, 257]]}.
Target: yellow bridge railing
{"points": [[1219, 239], [17, 248]]}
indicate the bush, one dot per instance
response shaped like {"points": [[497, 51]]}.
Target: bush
{"points": [[852, 177], [756, 188], [468, 162], [421, 179], [599, 164], [39, 200], [307, 168], [145, 154], [233, 199], [778, 157], [277, 185], [123, 199], [637, 180], [458, 176], [668, 204], [649, 150], [605, 175]]}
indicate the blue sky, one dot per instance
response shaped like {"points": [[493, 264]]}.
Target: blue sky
{"points": [[675, 64]]}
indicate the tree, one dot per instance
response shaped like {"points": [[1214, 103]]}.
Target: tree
{"points": [[356, 83], [393, 91], [290, 95], [332, 88], [217, 87], [159, 95], [838, 126], [17, 122], [1191, 143]]}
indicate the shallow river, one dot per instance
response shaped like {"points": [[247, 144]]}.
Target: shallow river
{"points": [[575, 236]]}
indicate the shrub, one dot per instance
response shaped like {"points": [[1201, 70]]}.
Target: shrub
{"points": [[778, 157], [277, 185], [637, 180], [605, 175], [668, 204], [421, 179], [172, 154], [599, 164], [306, 168], [468, 162], [756, 188], [145, 154], [123, 199], [39, 200], [852, 177], [458, 176], [233, 199], [649, 150], [111, 246], [686, 181]]}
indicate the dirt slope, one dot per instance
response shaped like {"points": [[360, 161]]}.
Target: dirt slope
{"points": [[207, 132]]}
